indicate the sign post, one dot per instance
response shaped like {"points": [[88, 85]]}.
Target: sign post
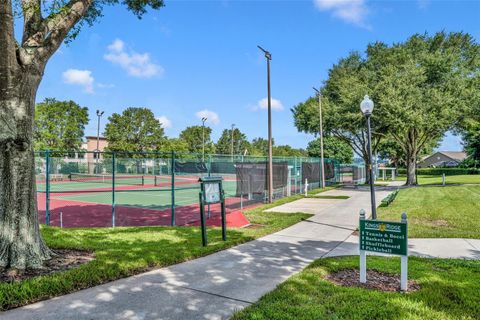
{"points": [[384, 237], [211, 193]]}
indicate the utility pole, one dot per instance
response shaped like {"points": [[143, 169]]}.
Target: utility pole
{"points": [[97, 151], [203, 138], [231, 147], [322, 161], [268, 56]]}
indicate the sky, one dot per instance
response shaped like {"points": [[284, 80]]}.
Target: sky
{"points": [[194, 59]]}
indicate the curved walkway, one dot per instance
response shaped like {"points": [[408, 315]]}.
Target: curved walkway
{"points": [[215, 286]]}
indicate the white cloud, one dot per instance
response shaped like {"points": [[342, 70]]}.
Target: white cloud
{"points": [[136, 64], [262, 104], [166, 123], [352, 11], [116, 46], [212, 117], [82, 78], [105, 85]]}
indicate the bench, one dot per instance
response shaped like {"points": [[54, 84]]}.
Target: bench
{"points": [[389, 199]]}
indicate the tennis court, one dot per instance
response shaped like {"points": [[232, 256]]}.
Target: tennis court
{"points": [[146, 196], [85, 200], [146, 189]]}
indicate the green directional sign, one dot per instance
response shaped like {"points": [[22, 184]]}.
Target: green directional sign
{"points": [[383, 237]]}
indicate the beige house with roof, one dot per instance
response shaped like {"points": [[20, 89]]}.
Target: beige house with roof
{"points": [[443, 159]]}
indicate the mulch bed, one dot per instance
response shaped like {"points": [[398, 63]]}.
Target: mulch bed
{"points": [[64, 260], [375, 280]]}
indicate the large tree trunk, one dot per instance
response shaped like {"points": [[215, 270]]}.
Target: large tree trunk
{"points": [[21, 69], [21, 245], [411, 170]]}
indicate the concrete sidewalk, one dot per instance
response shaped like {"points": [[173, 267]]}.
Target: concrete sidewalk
{"points": [[215, 286]]}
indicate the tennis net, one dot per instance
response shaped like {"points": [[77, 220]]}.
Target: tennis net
{"points": [[120, 179]]}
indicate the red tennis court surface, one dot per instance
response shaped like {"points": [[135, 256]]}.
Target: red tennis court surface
{"points": [[78, 214]]}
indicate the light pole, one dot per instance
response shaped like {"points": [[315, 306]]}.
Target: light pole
{"points": [[231, 146], [97, 153], [322, 161], [268, 56], [203, 138], [366, 106]]}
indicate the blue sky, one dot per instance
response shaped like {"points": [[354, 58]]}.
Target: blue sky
{"points": [[196, 58]]}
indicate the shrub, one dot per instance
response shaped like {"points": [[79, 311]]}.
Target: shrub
{"points": [[440, 171]]}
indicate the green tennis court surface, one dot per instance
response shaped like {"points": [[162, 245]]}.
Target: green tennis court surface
{"points": [[66, 185], [156, 198]]}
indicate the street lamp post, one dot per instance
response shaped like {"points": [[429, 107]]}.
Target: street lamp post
{"points": [[268, 56], [322, 169], [97, 153], [366, 106], [203, 138], [231, 141]]}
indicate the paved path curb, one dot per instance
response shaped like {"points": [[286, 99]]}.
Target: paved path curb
{"points": [[215, 286]]}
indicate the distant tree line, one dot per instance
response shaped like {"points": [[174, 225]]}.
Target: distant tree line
{"points": [[60, 126], [421, 88]]}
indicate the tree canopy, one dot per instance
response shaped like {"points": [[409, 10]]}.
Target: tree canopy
{"points": [[59, 125], [471, 140], [135, 130], [421, 88], [259, 146], [240, 142], [174, 144], [287, 151], [333, 148], [196, 137]]}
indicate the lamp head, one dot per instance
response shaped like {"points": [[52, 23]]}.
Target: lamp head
{"points": [[268, 55], [366, 105]]}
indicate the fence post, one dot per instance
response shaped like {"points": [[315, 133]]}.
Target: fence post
{"points": [[209, 174], [47, 188], [113, 189], [301, 174], [295, 173], [209, 165], [173, 188]]}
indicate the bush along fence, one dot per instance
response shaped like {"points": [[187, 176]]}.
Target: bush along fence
{"points": [[108, 189]]}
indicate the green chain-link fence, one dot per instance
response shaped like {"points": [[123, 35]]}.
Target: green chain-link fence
{"points": [[88, 189]]}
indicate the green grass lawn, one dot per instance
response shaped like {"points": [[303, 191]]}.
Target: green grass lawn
{"points": [[437, 212], [450, 289], [437, 180], [122, 252]]}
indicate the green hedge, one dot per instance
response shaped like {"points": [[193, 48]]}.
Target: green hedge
{"points": [[440, 171]]}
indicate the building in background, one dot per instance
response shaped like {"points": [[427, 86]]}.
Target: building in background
{"points": [[91, 147], [443, 159]]}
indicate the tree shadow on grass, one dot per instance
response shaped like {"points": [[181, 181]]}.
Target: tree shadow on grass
{"points": [[216, 285]]}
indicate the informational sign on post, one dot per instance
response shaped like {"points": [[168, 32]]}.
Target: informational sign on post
{"points": [[211, 192], [385, 237]]}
